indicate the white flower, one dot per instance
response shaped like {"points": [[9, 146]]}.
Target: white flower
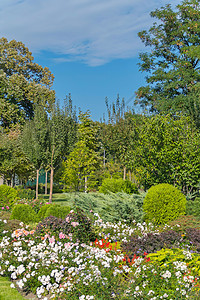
{"points": [[12, 286], [167, 274], [20, 283]]}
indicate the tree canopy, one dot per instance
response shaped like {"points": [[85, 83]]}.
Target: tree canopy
{"points": [[23, 84], [173, 65]]}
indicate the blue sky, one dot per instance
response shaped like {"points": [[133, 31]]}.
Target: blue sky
{"points": [[91, 46]]}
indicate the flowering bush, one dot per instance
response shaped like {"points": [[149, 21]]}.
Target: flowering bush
{"points": [[36, 204], [54, 263]]}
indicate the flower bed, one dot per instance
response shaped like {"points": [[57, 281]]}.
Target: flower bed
{"points": [[62, 266]]}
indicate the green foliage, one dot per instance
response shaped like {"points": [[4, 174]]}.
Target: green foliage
{"points": [[163, 203], [76, 224], [83, 161], [62, 136], [80, 167], [173, 64], [42, 211], [117, 185], [169, 256], [111, 207], [193, 207], [57, 211], [81, 226], [24, 213], [25, 193], [129, 187], [8, 196], [168, 150], [23, 84], [111, 185], [12, 158]]}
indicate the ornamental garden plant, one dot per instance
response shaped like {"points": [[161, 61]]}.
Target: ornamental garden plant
{"points": [[81, 256]]}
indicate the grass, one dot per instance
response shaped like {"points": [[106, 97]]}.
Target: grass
{"points": [[8, 293]]}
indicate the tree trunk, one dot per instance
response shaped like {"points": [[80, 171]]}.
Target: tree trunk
{"points": [[46, 177], [124, 173], [85, 184], [104, 158], [51, 186], [37, 181]]}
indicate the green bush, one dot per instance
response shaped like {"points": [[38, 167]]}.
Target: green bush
{"points": [[24, 212], [117, 185], [25, 193], [193, 207], [8, 196], [163, 203], [129, 187], [57, 211], [42, 211]]}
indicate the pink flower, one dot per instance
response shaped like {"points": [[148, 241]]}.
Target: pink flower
{"points": [[74, 224], [61, 235], [2, 207], [52, 240], [46, 236], [67, 245], [67, 219], [7, 207]]}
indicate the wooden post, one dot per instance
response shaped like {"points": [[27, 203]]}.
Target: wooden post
{"points": [[51, 186], [124, 173]]}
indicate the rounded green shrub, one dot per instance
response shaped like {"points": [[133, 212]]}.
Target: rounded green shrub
{"points": [[42, 211], [117, 185], [8, 196], [57, 211], [163, 203], [24, 213]]}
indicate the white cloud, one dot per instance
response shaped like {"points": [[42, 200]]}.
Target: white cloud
{"points": [[94, 31]]}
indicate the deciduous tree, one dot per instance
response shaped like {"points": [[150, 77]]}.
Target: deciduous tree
{"points": [[23, 84], [173, 64]]}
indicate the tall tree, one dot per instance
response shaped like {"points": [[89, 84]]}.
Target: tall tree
{"points": [[62, 136], [12, 158], [118, 133], [23, 84], [35, 140], [173, 65], [168, 151], [82, 162]]}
